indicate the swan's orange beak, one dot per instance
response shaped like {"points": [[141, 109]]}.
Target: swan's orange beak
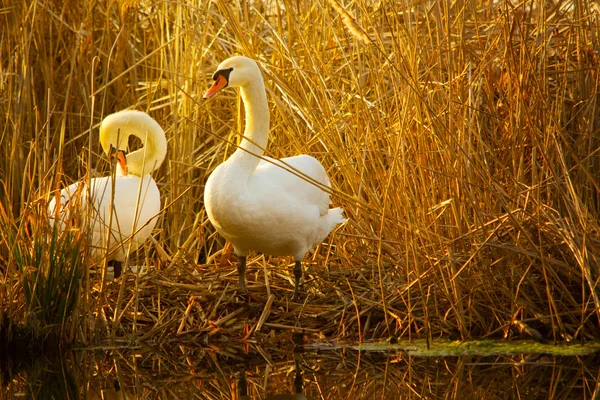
{"points": [[122, 161], [219, 84]]}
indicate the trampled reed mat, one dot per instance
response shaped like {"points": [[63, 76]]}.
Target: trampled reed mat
{"points": [[461, 140]]}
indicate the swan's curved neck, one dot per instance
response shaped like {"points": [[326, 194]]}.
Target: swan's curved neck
{"points": [[257, 126], [149, 158]]}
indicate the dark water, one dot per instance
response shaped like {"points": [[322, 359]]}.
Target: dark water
{"points": [[189, 371]]}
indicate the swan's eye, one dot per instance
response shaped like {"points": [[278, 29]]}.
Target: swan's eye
{"points": [[224, 73], [221, 78], [111, 150]]}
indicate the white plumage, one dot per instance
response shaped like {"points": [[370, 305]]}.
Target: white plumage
{"points": [[256, 204], [136, 202]]}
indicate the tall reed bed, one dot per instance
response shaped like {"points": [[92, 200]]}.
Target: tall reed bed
{"points": [[462, 140]]}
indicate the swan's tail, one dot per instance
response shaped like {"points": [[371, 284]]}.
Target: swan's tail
{"points": [[328, 223], [335, 217]]}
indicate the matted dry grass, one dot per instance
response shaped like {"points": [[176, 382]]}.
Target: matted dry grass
{"points": [[461, 138]]}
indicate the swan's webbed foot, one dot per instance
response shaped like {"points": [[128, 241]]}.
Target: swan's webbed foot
{"points": [[117, 268], [241, 266], [297, 276]]}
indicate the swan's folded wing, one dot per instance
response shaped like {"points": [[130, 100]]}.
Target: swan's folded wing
{"points": [[71, 199], [133, 205], [275, 174]]}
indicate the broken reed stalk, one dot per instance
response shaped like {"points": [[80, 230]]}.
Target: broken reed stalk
{"points": [[464, 139]]}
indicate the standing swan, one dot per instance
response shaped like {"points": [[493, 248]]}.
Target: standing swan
{"points": [[255, 204], [136, 200]]}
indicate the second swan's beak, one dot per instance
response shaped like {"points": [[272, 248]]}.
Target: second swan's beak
{"points": [[219, 84], [122, 161], [119, 155]]}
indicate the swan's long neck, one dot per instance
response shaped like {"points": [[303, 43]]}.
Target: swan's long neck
{"points": [[147, 159], [257, 127]]}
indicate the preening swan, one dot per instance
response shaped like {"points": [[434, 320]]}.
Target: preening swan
{"points": [[255, 204], [136, 201]]}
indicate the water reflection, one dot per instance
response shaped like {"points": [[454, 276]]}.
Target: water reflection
{"points": [[298, 384], [109, 393], [188, 370]]}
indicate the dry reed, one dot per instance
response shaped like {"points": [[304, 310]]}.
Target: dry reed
{"points": [[462, 141]]}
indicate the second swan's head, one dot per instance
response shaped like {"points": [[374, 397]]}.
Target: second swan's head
{"points": [[115, 130], [236, 71]]}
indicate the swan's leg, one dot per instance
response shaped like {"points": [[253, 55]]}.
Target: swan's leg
{"points": [[297, 276], [298, 377], [242, 385], [241, 266], [117, 268]]}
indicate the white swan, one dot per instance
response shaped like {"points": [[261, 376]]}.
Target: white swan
{"points": [[255, 204], [136, 201]]}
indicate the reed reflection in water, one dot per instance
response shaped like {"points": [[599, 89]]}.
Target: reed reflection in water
{"points": [[191, 372]]}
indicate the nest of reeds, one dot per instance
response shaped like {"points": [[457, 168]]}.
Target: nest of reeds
{"points": [[202, 303]]}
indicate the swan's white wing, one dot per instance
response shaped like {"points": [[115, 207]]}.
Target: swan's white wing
{"points": [[131, 211], [273, 174], [70, 199], [133, 206]]}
